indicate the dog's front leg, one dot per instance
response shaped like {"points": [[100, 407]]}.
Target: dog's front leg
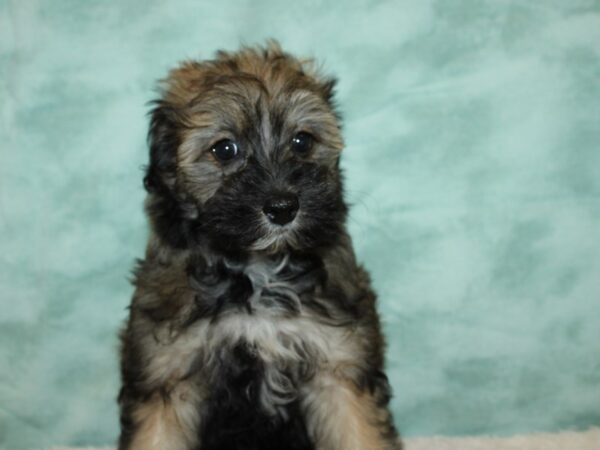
{"points": [[342, 416], [166, 420]]}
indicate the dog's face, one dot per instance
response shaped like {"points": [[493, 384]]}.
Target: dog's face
{"points": [[245, 153]]}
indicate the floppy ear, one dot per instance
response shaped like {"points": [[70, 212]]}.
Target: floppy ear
{"points": [[163, 142], [173, 219]]}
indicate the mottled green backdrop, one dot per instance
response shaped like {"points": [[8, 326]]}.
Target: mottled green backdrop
{"points": [[472, 160]]}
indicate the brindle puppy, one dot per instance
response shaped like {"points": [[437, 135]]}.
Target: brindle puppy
{"points": [[252, 325]]}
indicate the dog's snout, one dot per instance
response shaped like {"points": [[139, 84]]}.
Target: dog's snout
{"points": [[281, 208]]}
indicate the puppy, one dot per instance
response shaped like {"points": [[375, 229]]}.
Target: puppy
{"points": [[252, 326]]}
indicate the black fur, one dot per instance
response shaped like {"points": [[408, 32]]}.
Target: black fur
{"points": [[235, 419], [224, 286], [230, 217]]}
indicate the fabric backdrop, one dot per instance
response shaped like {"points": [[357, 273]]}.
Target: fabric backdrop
{"points": [[472, 163]]}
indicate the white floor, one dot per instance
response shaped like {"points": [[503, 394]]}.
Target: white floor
{"points": [[588, 440]]}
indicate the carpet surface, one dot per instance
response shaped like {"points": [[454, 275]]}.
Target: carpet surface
{"points": [[472, 165]]}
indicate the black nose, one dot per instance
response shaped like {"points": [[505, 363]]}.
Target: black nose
{"points": [[281, 208]]}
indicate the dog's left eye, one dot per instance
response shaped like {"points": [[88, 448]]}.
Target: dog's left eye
{"points": [[302, 143], [225, 150]]}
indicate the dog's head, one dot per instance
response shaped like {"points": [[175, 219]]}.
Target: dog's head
{"points": [[244, 154]]}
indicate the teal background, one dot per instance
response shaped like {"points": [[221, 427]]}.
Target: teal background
{"points": [[472, 162]]}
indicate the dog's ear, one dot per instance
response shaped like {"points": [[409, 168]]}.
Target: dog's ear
{"points": [[163, 142], [172, 218], [328, 89]]}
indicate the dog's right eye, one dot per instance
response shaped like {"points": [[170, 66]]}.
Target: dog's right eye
{"points": [[302, 143], [225, 150]]}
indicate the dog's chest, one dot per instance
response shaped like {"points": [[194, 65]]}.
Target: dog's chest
{"points": [[254, 344], [257, 353], [253, 397], [267, 308]]}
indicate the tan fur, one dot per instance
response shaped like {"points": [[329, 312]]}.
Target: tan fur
{"points": [[277, 340], [168, 421], [275, 82], [339, 416]]}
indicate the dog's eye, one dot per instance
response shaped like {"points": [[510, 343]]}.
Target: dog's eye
{"points": [[302, 143], [225, 150]]}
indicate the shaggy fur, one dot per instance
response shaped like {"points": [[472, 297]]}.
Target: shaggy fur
{"points": [[245, 333]]}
